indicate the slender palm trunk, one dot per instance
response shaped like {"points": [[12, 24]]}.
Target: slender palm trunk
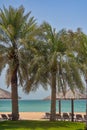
{"points": [[53, 98], [14, 90]]}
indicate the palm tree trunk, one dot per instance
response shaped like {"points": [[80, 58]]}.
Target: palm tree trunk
{"points": [[14, 90], [53, 98]]}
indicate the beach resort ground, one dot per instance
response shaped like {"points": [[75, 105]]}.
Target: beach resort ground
{"points": [[32, 115]]}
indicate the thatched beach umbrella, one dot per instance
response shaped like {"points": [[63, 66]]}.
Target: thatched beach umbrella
{"points": [[4, 94], [69, 95]]}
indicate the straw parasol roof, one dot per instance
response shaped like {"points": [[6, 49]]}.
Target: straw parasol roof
{"points": [[69, 95], [4, 94]]}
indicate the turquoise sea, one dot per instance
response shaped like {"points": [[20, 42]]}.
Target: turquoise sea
{"points": [[42, 105]]}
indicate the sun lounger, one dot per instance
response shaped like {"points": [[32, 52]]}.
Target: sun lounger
{"points": [[79, 117], [10, 116], [85, 118], [58, 117], [47, 115], [65, 116], [4, 116], [72, 116]]}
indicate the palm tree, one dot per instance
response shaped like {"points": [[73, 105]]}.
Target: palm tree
{"points": [[81, 50], [16, 28], [54, 64]]}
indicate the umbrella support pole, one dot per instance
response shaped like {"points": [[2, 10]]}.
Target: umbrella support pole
{"points": [[60, 107], [72, 110]]}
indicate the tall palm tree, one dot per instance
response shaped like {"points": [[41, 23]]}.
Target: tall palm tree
{"points": [[54, 64], [16, 28]]}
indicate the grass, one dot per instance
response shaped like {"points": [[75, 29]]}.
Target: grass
{"points": [[41, 125]]}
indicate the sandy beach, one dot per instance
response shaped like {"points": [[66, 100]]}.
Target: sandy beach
{"points": [[32, 115], [28, 115]]}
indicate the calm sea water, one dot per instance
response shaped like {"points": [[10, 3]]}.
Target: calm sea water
{"points": [[43, 106]]}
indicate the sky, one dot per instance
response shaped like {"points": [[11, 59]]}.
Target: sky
{"points": [[67, 14]]}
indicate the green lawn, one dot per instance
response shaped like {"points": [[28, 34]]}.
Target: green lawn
{"points": [[40, 125]]}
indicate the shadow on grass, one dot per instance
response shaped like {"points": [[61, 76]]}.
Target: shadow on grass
{"points": [[43, 125]]}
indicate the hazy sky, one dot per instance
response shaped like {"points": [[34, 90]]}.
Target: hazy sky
{"points": [[69, 14]]}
